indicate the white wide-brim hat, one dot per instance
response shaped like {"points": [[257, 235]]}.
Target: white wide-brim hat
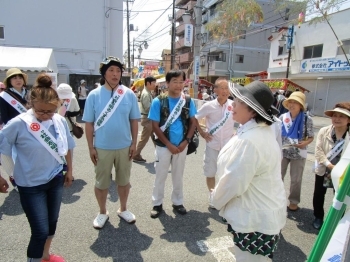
{"points": [[65, 91], [339, 110]]}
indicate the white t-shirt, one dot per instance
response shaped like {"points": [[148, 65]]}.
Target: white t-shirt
{"points": [[82, 92]]}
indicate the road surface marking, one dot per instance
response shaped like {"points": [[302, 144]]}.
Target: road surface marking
{"points": [[218, 247]]}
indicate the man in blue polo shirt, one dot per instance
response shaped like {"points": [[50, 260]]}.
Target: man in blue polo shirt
{"points": [[112, 113], [172, 140]]}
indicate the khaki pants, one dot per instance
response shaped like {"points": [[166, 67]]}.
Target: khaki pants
{"points": [[145, 135], [296, 175]]}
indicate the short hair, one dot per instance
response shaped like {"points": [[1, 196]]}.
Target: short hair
{"points": [[8, 80], [220, 79], [43, 91], [174, 73], [149, 79]]}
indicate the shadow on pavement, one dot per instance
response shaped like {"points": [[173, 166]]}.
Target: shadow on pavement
{"points": [[303, 219], [287, 252], [124, 243], [12, 205], [69, 196], [149, 167], [113, 192], [188, 228]]}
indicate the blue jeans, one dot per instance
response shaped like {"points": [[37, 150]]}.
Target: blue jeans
{"points": [[41, 205]]}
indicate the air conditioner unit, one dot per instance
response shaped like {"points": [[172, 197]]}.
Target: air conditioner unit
{"points": [[205, 18], [202, 62]]}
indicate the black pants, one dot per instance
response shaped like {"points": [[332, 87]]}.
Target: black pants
{"points": [[319, 196]]}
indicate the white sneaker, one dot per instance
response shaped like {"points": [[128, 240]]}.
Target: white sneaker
{"points": [[100, 220], [211, 201]]}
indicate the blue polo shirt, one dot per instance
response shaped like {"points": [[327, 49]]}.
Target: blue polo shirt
{"points": [[176, 129], [34, 165], [116, 132]]}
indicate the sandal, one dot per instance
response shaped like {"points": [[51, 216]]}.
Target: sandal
{"points": [[54, 258], [100, 220], [127, 216]]}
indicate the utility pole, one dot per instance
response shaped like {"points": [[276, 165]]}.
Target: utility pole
{"points": [[172, 52], [128, 32], [197, 44]]}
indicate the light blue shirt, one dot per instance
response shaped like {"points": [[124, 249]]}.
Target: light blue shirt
{"points": [[116, 132], [34, 165], [176, 129]]}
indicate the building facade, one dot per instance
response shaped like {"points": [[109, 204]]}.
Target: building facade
{"points": [[249, 54], [183, 54], [81, 34], [317, 62]]}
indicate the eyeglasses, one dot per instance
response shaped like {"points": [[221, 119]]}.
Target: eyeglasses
{"points": [[41, 112]]}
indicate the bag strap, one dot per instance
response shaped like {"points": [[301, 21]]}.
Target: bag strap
{"points": [[305, 127], [70, 120]]}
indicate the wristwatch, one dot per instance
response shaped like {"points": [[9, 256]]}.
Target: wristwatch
{"points": [[188, 140]]}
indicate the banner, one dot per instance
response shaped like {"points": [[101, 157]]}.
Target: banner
{"points": [[313, 65], [196, 70], [188, 35]]}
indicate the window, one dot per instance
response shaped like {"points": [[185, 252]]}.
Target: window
{"points": [[2, 33], [346, 47], [280, 50], [313, 51], [239, 58]]}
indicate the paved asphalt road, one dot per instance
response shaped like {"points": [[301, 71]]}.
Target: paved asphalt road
{"points": [[198, 236]]}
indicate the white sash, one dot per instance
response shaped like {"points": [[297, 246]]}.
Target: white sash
{"points": [[63, 109], [13, 102], [43, 136], [111, 106], [287, 122], [331, 154], [217, 126], [175, 113]]}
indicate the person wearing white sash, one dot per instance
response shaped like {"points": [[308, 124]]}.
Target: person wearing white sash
{"points": [[297, 133], [70, 107], [331, 142], [112, 113], [14, 100], [219, 129], [43, 144], [172, 140]]}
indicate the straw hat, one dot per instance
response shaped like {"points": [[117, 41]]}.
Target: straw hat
{"points": [[256, 95], [296, 96], [13, 72], [339, 110]]}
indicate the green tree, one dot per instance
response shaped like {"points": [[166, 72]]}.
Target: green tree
{"points": [[232, 17]]}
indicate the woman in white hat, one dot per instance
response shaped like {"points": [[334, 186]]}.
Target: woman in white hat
{"points": [[70, 107], [250, 193], [297, 133], [13, 101], [331, 142]]}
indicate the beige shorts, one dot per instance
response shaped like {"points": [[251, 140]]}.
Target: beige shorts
{"points": [[210, 161], [103, 169]]}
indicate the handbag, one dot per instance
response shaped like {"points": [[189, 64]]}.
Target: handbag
{"points": [[192, 146], [77, 129]]}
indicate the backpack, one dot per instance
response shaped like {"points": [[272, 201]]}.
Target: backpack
{"points": [[164, 114]]}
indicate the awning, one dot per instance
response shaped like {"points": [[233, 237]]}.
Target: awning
{"points": [[28, 59], [160, 80], [141, 82], [284, 84]]}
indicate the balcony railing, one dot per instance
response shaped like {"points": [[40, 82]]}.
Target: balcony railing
{"points": [[184, 58], [180, 43], [180, 29], [190, 5], [181, 2]]}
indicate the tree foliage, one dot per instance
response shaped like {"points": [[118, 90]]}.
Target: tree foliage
{"points": [[232, 17], [315, 11]]}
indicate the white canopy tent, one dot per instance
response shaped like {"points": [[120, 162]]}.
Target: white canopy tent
{"points": [[28, 59]]}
